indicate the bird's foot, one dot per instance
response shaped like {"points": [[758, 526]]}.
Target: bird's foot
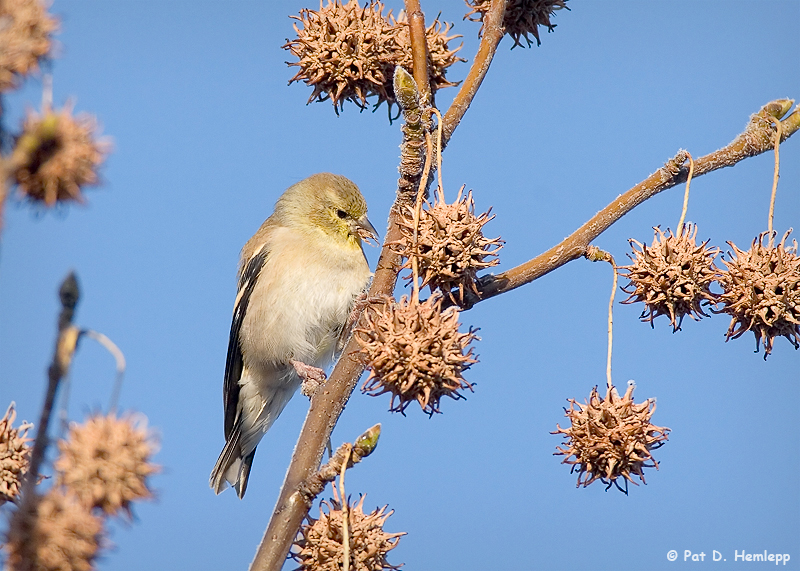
{"points": [[359, 305], [312, 377]]}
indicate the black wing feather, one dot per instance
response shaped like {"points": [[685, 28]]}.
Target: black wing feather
{"points": [[234, 364]]}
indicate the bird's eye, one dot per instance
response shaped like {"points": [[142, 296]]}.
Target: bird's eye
{"points": [[341, 214]]}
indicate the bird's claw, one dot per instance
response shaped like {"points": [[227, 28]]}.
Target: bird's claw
{"points": [[312, 377]]}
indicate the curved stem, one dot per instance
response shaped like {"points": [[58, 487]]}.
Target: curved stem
{"points": [[119, 359], [611, 320], [345, 510], [417, 213], [679, 230], [595, 254], [775, 177]]}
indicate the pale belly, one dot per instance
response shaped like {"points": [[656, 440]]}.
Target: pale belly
{"points": [[298, 312]]}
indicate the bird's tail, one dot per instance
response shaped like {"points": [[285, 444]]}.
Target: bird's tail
{"points": [[231, 467]]}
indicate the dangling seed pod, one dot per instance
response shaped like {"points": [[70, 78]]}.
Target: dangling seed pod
{"points": [[321, 546], [348, 53], [761, 292], [415, 352], [105, 463], [14, 455], [610, 438], [56, 155], [672, 277], [25, 30], [522, 17], [59, 533], [450, 247]]}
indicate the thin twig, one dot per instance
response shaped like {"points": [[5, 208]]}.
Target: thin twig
{"points": [[345, 511], [417, 214], [119, 359], [756, 139], [421, 194], [595, 254], [439, 121], [493, 32], [611, 319], [679, 230], [775, 176]]}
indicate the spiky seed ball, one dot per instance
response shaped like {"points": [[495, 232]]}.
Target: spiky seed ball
{"points": [[450, 247], [25, 30], [14, 455], [348, 53], [320, 547], [105, 462], [672, 277], [415, 352], [522, 17], [344, 52], [610, 438], [56, 154], [761, 292], [58, 534]]}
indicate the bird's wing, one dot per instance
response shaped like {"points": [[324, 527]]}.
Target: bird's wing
{"points": [[233, 364]]}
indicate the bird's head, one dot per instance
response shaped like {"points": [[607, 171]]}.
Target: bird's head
{"points": [[330, 203]]}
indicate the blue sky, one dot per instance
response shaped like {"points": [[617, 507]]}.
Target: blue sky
{"points": [[207, 135]]}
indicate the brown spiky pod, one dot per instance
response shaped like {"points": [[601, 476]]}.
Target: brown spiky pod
{"points": [[610, 438], [450, 247], [57, 154], [105, 462], [522, 17], [25, 30], [59, 533], [761, 292], [15, 455], [344, 52], [348, 53], [415, 352], [672, 277], [320, 545]]}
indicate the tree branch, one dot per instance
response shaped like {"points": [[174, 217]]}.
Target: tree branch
{"points": [[493, 32], [327, 404], [758, 137], [419, 49], [66, 340]]}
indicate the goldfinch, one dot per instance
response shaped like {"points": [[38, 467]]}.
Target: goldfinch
{"points": [[299, 277]]}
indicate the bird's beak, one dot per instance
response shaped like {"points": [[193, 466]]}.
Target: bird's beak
{"points": [[366, 230]]}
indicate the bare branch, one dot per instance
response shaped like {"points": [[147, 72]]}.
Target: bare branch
{"points": [[363, 447], [493, 32], [327, 404], [757, 138], [419, 49], [66, 341]]}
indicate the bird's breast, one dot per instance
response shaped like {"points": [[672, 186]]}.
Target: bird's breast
{"points": [[301, 300]]}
